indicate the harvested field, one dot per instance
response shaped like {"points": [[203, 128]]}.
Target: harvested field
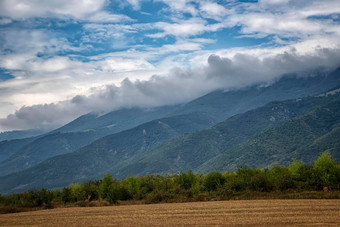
{"points": [[220, 213]]}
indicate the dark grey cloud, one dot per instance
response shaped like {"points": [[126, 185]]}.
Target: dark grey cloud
{"points": [[245, 70]]}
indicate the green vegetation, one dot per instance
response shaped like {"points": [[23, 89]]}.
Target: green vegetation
{"points": [[323, 176]]}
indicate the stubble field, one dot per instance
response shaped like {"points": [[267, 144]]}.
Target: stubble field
{"points": [[219, 213]]}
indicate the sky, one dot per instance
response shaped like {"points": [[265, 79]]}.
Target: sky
{"points": [[60, 59]]}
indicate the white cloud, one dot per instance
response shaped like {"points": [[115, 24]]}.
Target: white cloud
{"points": [[273, 2], [135, 4], [181, 6], [213, 10], [21, 9], [180, 85], [300, 42], [184, 28], [88, 10], [105, 17], [284, 25], [108, 33], [289, 18]]}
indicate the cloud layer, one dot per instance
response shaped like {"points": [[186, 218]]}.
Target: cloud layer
{"points": [[61, 59], [181, 85]]}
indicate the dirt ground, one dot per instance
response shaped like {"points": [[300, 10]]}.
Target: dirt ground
{"points": [[219, 213]]}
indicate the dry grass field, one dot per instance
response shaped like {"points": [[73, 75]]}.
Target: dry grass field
{"points": [[221, 213]]}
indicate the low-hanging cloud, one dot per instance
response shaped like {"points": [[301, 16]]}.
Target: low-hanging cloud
{"points": [[179, 86]]}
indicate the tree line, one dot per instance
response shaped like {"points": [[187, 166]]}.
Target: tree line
{"points": [[323, 175]]}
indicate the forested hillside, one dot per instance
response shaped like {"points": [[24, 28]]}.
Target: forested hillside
{"points": [[263, 137], [18, 155]]}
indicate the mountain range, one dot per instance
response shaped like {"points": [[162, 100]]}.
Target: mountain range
{"points": [[258, 126]]}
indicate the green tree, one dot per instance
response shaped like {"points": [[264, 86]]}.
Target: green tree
{"points": [[41, 197], [109, 190], [104, 186], [66, 195], [78, 192], [90, 190], [281, 178], [213, 180], [295, 168], [250, 179], [186, 180], [323, 167], [148, 184], [132, 186]]}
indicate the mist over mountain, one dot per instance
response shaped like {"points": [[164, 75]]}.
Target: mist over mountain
{"points": [[218, 105]]}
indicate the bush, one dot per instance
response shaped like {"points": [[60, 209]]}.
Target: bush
{"points": [[67, 196], [42, 197], [252, 180], [213, 180], [109, 190], [90, 190], [148, 184], [113, 193], [186, 180], [130, 188], [281, 178], [324, 169]]}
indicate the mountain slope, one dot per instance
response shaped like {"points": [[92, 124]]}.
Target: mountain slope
{"points": [[303, 138], [43, 148], [219, 105], [140, 150], [71, 137], [95, 159], [222, 105], [117, 120], [194, 150], [9, 147]]}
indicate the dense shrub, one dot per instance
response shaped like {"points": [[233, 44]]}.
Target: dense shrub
{"points": [[109, 189], [213, 180], [186, 180], [281, 178]]}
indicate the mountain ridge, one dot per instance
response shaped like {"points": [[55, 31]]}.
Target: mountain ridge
{"points": [[217, 105], [60, 170]]}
